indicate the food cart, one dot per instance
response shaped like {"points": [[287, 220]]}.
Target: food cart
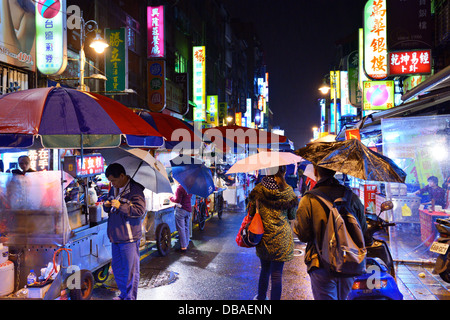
{"points": [[159, 222], [37, 224]]}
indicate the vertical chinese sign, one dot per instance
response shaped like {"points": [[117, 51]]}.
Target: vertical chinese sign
{"points": [[156, 75], [155, 32], [51, 36], [375, 48], [116, 60], [199, 68], [213, 110]]}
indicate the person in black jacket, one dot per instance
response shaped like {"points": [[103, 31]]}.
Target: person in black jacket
{"points": [[126, 208], [310, 226]]}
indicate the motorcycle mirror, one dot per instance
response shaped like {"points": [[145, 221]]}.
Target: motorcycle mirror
{"points": [[387, 205]]}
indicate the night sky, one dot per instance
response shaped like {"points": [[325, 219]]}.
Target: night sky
{"points": [[299, 40]]}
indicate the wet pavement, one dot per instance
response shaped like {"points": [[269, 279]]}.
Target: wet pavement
{"points": [[215, 268]]}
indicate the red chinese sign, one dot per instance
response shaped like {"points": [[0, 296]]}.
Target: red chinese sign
{"points": [[91, 165], [410, 62]]}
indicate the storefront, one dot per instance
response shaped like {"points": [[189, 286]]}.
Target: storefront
{"points": [[416, 136]]}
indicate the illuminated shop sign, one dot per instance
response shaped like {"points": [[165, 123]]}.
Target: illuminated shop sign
{"points": [[410, 62], [89, 165], [155, 32], [39, 159], [213, 110], [378, 95], [116, 60], [375, 49], [51, 36], [199, 63]]}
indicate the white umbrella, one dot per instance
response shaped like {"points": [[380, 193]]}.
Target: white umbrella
{"points": [[264, 160], [141, 166]]}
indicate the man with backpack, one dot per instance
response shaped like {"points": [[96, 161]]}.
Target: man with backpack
{"points": [[331, 267]]}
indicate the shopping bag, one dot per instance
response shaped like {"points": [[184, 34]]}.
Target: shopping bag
{"points": [[252, 232], [245, 222]]}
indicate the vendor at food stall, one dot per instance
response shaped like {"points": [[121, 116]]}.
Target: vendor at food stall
{"points": [[24, 165], [436, 193], [126, 207]]}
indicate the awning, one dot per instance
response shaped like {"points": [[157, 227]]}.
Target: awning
{"points": [[439, 81]]}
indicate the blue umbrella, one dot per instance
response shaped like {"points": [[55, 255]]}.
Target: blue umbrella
{"points": [[193, 176]]}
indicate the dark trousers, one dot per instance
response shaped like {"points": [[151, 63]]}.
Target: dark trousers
{"points": [[274, 271], [125, 266]]}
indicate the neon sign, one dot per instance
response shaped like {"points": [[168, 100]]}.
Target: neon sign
{"points": [[375, 35], [51, 36], [155, 32], [378, 95], [199, 84], [410, 62]]}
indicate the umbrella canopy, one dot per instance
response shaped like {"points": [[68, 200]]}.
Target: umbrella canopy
{"points": [[63, 118], [353, 158], [244, 136], [173, 130], [193, 176], [141, 166], [263, 160]]}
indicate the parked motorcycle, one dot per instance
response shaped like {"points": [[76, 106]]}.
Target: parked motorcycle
{"points": [[440, 246], [378, 283]]}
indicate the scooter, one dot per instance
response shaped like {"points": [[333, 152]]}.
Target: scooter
{"points": [[440, 246], [378, 283]]}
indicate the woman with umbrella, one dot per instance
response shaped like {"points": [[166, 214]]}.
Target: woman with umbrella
{"points": [[277, 204]]}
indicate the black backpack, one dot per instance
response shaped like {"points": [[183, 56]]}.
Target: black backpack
{"points": [[342, 250]]}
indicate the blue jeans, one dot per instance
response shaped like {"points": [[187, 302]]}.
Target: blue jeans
{"points": [[125, 265], [182, 223], [325, 286], [274, 270]]}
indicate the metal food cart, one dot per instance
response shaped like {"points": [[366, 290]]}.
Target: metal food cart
{"points": [[36, 224]]}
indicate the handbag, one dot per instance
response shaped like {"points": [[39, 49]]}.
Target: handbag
{"points": [[251, 231]]}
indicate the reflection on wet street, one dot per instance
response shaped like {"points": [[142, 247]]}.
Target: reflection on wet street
{"points": [[213, 268]]}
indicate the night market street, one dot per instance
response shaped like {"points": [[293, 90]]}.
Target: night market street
{"points": [[215, 268]]}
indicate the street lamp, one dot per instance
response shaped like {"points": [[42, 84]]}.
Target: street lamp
{"points": [[324, 89], [98, 44]]}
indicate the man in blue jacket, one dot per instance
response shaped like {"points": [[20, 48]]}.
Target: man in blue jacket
{"points": [[126, 208]]}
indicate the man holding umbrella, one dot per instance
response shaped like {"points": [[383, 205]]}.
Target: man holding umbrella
{"points": [[125, 207]]}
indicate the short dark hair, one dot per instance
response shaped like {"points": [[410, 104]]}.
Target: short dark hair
{"points": [[324, 172], [434, 179], [115, 170]]}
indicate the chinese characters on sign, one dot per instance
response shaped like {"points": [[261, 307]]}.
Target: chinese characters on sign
{"points": [[116, 60], [91, 165], [155, 32], [51, 44], [156, 88], [375, 49], [213, 110], [378, 95], [410, 62], [39, 159], [199, 89]]}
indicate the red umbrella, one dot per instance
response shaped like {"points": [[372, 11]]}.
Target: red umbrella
{"points": [[244, 136], [173, 130], [67, 118]]}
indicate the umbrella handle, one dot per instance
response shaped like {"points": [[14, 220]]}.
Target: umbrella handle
{"points": [[140, 164]]}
